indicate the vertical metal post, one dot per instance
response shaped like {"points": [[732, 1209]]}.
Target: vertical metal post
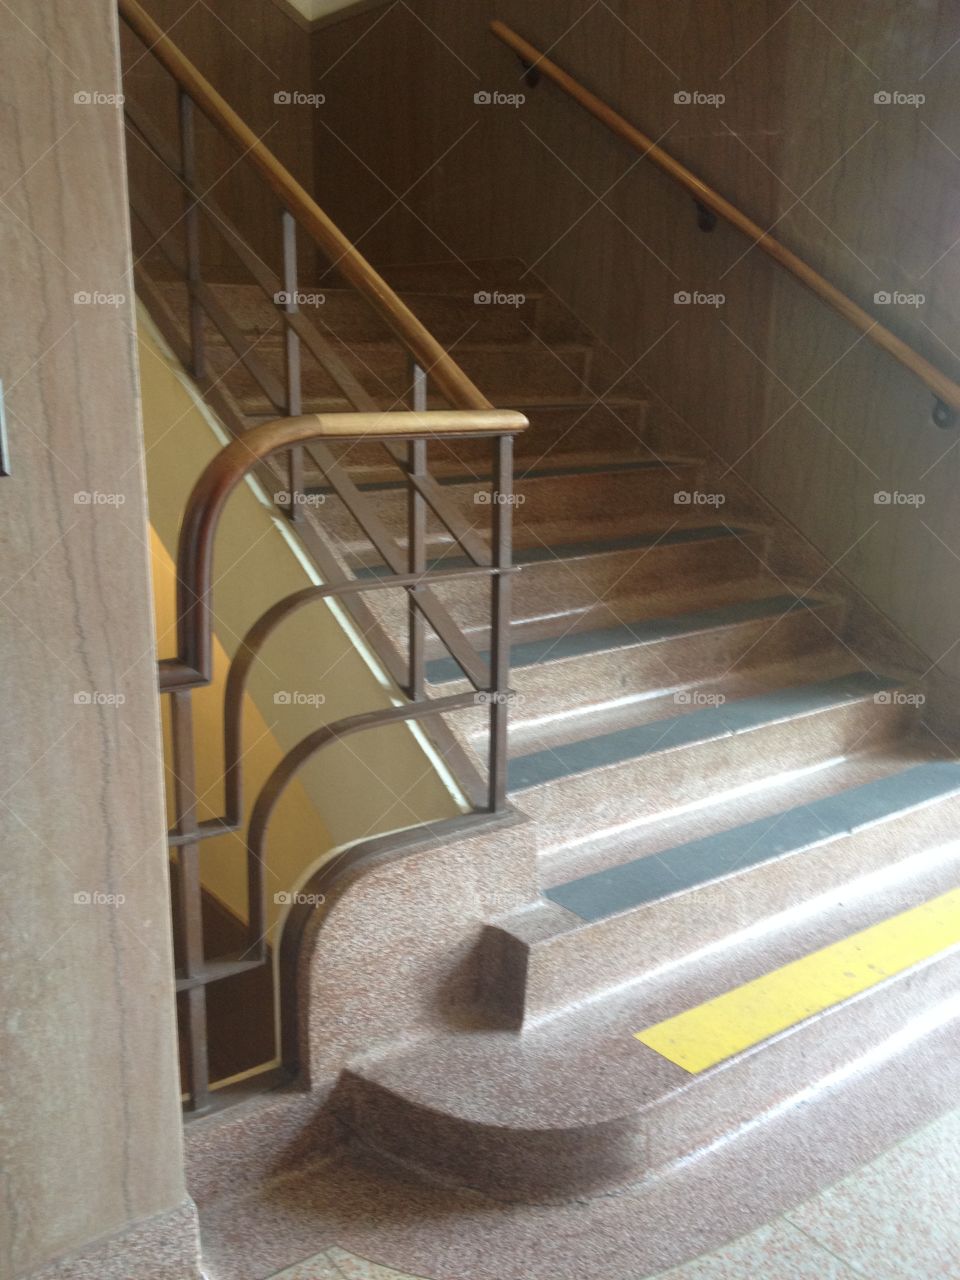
{"points": [[190, 899], [502, 504], [417, 537], [191, 222], [293, 369]]}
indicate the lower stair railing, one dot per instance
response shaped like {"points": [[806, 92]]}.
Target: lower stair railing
{"points": [[193, 668]]}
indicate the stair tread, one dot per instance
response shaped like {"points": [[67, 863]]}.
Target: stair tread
{"points": [[537, 554], [572, 469], [575, 644], [526, 465], [719, 811], [586, 754], [584, 1067], [654, 876]]}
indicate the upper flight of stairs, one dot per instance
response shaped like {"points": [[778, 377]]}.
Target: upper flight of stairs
{"points": [[722, 779]]}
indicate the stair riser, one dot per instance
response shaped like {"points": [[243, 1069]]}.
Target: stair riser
{"points": [[566, 809], [597, 957], [645, 493], [599, 591], [590, 1160], [694, 661]]}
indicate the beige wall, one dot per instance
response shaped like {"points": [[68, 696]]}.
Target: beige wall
{"points": [[879, 210], [90, 1121], [892, 209]]}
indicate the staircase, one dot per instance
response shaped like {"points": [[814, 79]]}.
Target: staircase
{"points": [[724, 777]]}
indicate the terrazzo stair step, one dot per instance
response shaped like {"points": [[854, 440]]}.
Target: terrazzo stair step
{"points": [[556, 436], [542, 498], [346, 315], [507, 375], [590, 584], [452, 467], [573, 789], [578, 1105], [637, 914], [543, 731], [568, 673]]}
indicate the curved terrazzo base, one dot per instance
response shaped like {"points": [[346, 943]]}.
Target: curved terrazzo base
{"points": [[354, 1201]]}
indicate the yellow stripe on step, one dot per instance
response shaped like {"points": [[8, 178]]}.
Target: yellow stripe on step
{"points": [[715, 1031]]}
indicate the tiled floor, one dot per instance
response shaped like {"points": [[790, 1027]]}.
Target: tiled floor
{"points": [[896, 1219]]}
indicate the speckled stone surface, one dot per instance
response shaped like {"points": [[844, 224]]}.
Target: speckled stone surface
{"points": [[166, 1247], [421, 1230]]}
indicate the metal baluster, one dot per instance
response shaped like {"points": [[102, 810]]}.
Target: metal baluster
{"points": [[293, 369], [191, 222], [500, 620], [190, 896], [417, 537]]}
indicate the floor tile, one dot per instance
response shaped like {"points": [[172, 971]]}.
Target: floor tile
{"points": [[775, 1252], [354, 1268], [316, 1268], [896, 1219]]}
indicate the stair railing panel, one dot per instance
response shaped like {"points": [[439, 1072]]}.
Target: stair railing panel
{"points": [[192, 668], [405, 436]]}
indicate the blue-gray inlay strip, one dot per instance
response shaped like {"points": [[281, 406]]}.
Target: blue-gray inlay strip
{"points": [[697, 726], [607, 893], [576, 644]]}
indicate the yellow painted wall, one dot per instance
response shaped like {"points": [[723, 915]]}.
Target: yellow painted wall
{"points": [[371, 783]]}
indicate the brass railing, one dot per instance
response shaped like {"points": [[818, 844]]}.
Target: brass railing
{"points": [[405, 436], [945, 390]]}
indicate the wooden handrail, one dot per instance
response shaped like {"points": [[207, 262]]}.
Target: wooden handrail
{"points": [[444, 371], [222, 475], [944, 388]]}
